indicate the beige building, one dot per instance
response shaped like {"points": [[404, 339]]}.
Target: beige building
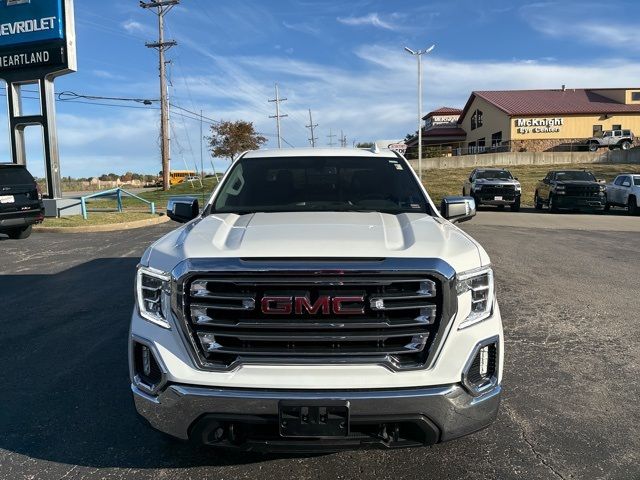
{"points": [[540, 120]]}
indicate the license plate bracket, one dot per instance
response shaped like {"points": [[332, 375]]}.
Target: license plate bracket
{"points": [[7, 199], [498, 197], [311, 419]]}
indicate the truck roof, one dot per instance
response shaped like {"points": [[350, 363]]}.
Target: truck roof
{"points": [[318, 152]]}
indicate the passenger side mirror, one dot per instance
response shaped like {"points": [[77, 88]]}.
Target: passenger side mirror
{"points": [[458, 209], [183, 209], [471, 179], [545, 181]]}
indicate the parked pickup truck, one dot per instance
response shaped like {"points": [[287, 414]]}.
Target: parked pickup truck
{"points": [[570, 189], [493, 186], [318, 301], [622, 139], [624, 191]]}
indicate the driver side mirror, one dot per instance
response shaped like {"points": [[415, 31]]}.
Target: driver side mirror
{"points": [[458, 209], [626, 184], [471, 179], [546, 181], [183, 209]]}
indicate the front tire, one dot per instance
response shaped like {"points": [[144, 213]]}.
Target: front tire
{"points": [[553, 207], [626, 145], [20, 233], [607, 205], [537, 202], [515, 207], [632, 206]]}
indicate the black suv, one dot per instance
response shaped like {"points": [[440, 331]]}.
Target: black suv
{"points": [[20, 201], [571, 189]]}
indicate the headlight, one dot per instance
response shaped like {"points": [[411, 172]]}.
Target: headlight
{"points": [[153, 293], [518, 188], [603, 188], [480, 283]]}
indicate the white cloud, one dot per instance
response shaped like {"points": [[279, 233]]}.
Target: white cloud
{"points": [[372, 19], [303, 27], [131, 26], [560, 21]]}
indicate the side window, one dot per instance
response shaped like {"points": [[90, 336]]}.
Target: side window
{"points": [[626, 181], [618, 181], [618, 133]]}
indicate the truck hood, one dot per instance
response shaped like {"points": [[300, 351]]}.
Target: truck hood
{"points": [[317, 234]]}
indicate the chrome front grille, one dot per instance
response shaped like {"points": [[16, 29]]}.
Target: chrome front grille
{"points": [[303, 317]]}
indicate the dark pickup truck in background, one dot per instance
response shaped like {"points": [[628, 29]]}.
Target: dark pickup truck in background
{"points": [[20, 201], [570, 189]]}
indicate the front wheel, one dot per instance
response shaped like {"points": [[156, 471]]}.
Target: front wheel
{"points": [[515, 207], [626, 145], [607, 205], [20, 233], [553, 207], [537, 202], [632, 206]]}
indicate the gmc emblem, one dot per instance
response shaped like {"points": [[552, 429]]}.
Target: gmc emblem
{"points": [[324, 304]]}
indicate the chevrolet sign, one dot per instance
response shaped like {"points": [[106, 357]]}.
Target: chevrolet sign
{"points": [[35, 21]]}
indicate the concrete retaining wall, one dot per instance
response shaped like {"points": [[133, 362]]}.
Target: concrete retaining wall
{"points": [[529, 158]]}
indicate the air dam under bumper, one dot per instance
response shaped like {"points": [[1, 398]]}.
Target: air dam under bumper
{"points": [[388, 418]]}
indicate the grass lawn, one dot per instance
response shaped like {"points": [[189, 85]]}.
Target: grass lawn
{"points": [[441, 183], [97, 218]]}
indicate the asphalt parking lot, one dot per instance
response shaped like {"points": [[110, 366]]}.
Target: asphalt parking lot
{"points": [[569, 300]]}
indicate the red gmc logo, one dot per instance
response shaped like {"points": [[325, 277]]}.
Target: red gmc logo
{"points": [[324, 304]]}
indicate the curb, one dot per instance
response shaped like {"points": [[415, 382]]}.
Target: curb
{"points": [[110, 227]]}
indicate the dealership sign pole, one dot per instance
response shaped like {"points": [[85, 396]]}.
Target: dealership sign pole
{"points": [[37, 44]]}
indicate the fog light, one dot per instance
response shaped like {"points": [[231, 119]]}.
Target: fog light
{"points": [[481, 372], [146, 360], [147, 372]]}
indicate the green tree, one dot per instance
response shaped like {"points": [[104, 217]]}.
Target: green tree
{"points": [[228, 139]]}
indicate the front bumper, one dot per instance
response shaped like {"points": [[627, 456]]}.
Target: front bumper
{"points": [[429, 415], [491, 199], [594, 203]]}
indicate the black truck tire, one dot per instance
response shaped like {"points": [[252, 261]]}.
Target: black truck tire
{"points": [[20, 233]]}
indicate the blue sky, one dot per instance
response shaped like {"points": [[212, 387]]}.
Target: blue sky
{"points": [[342, 59]]}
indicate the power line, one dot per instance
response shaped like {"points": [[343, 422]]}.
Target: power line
{"points": [[311, 126], [278, 116]]}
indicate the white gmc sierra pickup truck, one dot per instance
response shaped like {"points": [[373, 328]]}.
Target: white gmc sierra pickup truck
{"points": [[318, 301]]}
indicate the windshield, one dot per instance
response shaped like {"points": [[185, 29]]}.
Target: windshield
{"points": [[15, 176], [496, 174], [301, 184], [578, 175]]}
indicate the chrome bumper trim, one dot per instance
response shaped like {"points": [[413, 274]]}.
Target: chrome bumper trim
{"points": [[451, 408]]}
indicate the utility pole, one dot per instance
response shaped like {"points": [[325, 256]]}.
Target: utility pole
{"points": [[330, 136], [277, 116], [311, 126], [343, 140], [162, 7]]}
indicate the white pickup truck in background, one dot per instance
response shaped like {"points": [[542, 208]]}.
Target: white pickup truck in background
{"points": [[624, 191]]}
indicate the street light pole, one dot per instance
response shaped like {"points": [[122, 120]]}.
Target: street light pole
{"points": [[419, 54]]}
